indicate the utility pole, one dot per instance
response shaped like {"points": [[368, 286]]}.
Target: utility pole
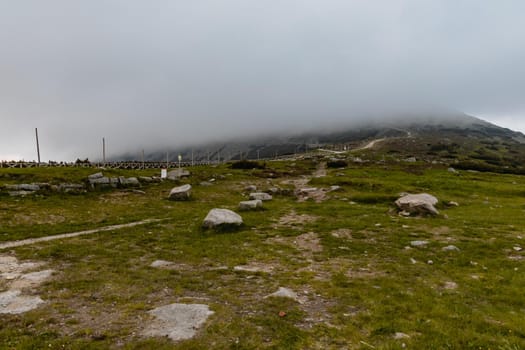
{"points": [[37, 146], [104, 151]]}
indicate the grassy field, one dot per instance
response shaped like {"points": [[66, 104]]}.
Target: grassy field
{"points": [[349, 258]]}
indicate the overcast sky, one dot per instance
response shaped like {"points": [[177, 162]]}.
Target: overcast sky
{"points": [[148, 74]]}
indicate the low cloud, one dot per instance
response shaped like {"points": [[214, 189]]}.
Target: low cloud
{"points": [[170, 73]]}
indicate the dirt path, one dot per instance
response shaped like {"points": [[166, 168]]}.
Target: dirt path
{"points": [[29, 241], [369, 145], [321, 170]]}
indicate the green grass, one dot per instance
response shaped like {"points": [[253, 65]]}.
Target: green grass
{"points": [[359, 290]]}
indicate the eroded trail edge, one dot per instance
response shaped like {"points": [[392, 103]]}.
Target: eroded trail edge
{"points": [[29, 241]]}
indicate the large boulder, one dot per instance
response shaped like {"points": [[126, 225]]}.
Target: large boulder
{"points": [[220, 218], [422, 203], [260, 196], [251, 205], [180, 193]]}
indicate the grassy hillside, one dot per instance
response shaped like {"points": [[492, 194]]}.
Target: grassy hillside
{"points": [[360, 282]]}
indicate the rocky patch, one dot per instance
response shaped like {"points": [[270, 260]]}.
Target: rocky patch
{"points": [[177, 321]]}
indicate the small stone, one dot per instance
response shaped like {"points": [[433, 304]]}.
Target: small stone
{"points": [[450, 248], [250, 188], [418, 243], [260, 196], [517, 248], [284, 293], [453, 204], [161, 263], [430, 262], [450, 285], [413, 261], [251, 205], [400, 335]]}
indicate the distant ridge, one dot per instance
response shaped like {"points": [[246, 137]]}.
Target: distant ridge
{"points": [[413, 136]]}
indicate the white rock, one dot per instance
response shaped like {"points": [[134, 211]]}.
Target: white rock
{"points": [[400, 335], [260, 196], [284, 293], [250, 188], [177, 321], [422, 203], [418, 243], [218, 217], [180, 193], [450, 248], [161, 263], [250, 205]]}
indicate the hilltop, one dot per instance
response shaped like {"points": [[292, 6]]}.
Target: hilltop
{"points": [[460, 139]]}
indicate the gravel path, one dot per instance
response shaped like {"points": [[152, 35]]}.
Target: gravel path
{"points": [[29, 241]]}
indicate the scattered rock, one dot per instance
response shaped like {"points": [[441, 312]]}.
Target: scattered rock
{"points": [[251, 205], [23, 187], [284, 293], [146, 179], [335, 188], [307, 190], [128, 182], [450, 285], [222, 217], [452, 170], [517, 248], [20, 193], [260, 196], [450, 248], [177, 321], [180, 193], [400, 335], [70, 188], [178, 174], [418, 243], [206, 184], [254, 267], [161, 264], [453, 204], [422, 203], [95, 176], [250, 188]]}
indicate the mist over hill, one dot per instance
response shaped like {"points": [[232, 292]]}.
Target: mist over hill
{"points": [[457, 137]]}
